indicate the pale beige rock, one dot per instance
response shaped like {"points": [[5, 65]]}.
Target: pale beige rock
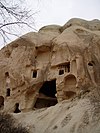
{"points": [[77, 116], [56, 63]]}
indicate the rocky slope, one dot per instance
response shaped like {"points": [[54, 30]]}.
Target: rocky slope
{"points": [[79, 115]]}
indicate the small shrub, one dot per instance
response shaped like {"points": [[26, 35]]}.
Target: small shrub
{"points": [[7, 125]]}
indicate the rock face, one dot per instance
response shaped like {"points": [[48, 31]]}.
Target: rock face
{"points": [[75, 116], [57, 63]]}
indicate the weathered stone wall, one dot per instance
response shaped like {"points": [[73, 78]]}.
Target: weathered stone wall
{"points": [[70, 55]]}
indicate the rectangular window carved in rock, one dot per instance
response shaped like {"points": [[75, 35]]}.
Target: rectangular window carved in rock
{"points": [[34, 74], [65, 67], [61, 72], [8, 92]]}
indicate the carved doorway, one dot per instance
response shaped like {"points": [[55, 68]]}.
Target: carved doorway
{"points": [[47, 96]]}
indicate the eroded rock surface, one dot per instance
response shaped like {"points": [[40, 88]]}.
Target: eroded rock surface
{"points": [[56, 63], [75, 116]]}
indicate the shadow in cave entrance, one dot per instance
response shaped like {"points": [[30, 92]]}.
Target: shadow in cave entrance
{"points": [[17, 110], [47, 96]]}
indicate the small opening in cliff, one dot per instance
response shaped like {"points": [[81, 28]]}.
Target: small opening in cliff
{"points": [[1, 101], [8, 92], [6, 74], [17, 110], [61, 72], [64, 67], [34, 74], [47, 96], [91, 63]]}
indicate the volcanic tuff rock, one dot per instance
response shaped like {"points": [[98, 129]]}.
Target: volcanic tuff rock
{"points": [[69, 116], [55, 64]]}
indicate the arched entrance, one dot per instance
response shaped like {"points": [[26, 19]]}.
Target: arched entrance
{"points": [[47, 96], [69, 86], [17, 110]]}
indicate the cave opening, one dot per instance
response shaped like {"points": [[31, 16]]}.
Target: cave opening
{"points": [[8, 92], [61, 72], [6, 74], [17, 110], [91, 63], [34, 74], [47, 96], [1, 101], [64, 67]]}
